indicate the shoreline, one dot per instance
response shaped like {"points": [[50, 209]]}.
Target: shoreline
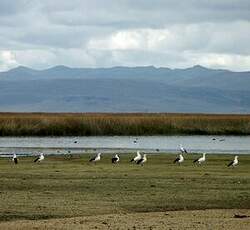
{"points": [[125, 144], [33, 151]]}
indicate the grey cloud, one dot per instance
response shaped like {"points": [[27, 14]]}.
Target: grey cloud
{"points": [[60, 29], [134, 14], [13, 7]]}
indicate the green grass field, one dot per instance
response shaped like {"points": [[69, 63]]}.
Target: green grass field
{"points": [[61, 187]]}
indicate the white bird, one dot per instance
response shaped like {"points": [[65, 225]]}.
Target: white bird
{"points": [[96, 158], [40, 158], [115, 159], [201, 159], [14, 158], [234, 162], [137, 157], [179, 159], [183, 150], [142, 160]]}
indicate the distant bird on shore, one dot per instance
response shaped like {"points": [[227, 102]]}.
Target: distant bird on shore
{"points": [[201, 159], [142, 160], [234, 162], [183, 150], [137, 157], [179, 159], [14, 158], [115, 159], [96, 158], [75, 142], [40, 158]]}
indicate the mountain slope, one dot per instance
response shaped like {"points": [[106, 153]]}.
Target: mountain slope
{"points": [[125, 89]]}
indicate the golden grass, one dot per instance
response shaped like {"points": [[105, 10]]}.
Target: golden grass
{"points": [[86, 124]]}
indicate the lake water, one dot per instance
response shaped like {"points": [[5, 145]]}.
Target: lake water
{"points": [[152, 144]]}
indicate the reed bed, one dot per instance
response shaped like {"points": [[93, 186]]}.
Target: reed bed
{"points": [[96, 124]]}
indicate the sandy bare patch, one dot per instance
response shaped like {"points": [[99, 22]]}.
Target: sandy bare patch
{"points": [[197, 219]]}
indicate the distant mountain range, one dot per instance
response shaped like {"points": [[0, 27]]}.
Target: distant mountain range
{"points": [[124, 89]]}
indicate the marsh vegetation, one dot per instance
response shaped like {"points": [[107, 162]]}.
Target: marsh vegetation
{"points": [[96, 124]]}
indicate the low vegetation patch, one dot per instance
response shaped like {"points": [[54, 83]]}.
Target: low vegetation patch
{"points": [[62, 187]]}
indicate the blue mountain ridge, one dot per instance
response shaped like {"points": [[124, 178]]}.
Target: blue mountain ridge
{"points": [[124, 89]]}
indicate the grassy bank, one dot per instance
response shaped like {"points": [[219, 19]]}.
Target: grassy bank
{"points": [[62, 124], [60, 187]]}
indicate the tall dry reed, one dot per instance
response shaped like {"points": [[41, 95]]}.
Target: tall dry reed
{"points": [[87, 124]]}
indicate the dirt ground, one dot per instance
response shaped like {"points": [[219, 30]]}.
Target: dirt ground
{"points": [[197, 219]]}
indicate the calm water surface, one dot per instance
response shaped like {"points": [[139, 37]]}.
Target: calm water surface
{"points": [[63, 145]]}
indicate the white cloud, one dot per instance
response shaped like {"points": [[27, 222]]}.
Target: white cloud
{"points": [[106, 33], [224, 61], [7, 60], [121, 40], [44, 58], [37, 58], [221, 45], [204, 36]]}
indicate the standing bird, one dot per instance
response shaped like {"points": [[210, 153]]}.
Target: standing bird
{"points": [[234, 162], [179, 159], [137, 157], [115, 159], [14, 158], [183, 150], [95, 158], [142, 160], [201, 159], [40, 158]]}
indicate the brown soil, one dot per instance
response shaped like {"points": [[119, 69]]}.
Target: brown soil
{"points": [[197, 219]]}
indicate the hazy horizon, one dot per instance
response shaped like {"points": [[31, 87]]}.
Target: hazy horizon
{"points": [[123, 66]]}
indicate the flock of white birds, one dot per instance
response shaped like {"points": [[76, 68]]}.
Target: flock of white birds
{"points": [[141, 159]]}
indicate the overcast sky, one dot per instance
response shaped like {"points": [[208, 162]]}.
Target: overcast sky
{"points": [[105, 33]]}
